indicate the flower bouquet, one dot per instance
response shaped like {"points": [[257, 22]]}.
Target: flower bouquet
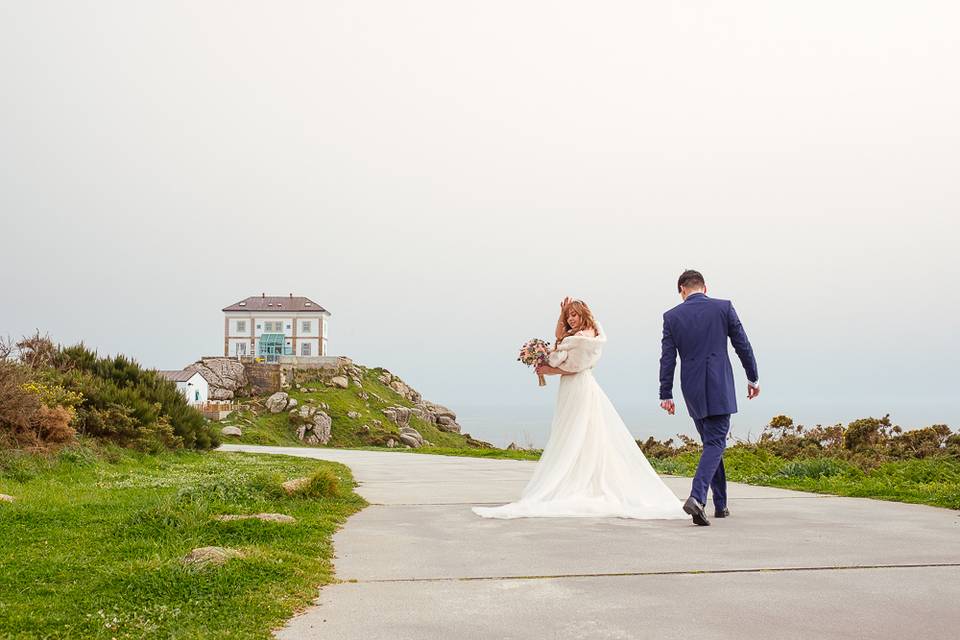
{"points": [[534, 352]]}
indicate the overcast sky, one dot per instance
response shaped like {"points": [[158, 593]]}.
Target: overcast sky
{"points": [[440, 175]]}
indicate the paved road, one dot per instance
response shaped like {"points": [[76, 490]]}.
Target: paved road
{"points": [[419, 564]]}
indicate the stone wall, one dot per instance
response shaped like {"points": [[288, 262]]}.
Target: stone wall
{"points": [[264, 378]]}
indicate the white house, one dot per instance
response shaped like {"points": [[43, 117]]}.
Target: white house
{"points": [[272, 326], [192, 385]]}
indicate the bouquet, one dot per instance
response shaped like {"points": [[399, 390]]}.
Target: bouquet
{"points": [[534, 352]]}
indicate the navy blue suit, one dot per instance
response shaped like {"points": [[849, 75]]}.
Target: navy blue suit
{"points": [[698, 330]]}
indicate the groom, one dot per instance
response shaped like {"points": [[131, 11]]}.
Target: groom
{"points": [[698, 330]]}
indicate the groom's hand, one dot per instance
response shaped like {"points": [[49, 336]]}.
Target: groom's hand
{"points": [[668, 406], [752, 392]]}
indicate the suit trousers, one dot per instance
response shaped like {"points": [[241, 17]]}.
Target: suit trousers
{"points": [[713, 432]]}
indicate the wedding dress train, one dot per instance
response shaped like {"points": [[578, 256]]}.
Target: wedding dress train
{"points": [[591, 466]]}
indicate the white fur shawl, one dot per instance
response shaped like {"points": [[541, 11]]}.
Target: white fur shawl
{"points": [[578, 353]]}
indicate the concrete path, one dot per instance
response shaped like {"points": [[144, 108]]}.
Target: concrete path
{"points": [[419, 564]]}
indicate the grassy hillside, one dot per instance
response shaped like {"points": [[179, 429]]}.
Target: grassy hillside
{"points": [[367, 427], [94, 539]]}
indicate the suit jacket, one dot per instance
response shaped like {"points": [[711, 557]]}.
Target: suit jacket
{"points": [[698, 330]]}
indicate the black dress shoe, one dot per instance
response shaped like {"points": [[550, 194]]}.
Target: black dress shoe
{"points": [[721, 513], [696, 510]]}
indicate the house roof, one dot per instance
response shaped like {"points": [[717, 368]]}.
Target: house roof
{"points": [[178, 376], [276, 303]]}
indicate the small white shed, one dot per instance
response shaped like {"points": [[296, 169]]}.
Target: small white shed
{"points": [[192, 385]]}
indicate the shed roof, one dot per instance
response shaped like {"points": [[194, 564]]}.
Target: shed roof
{"points": [[181, 375]]}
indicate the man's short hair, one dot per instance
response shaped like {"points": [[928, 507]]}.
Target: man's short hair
{"points": [[690, 279]]}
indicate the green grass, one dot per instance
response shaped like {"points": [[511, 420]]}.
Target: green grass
{"points": [[932, 481], [91, 548], [275, 429]]}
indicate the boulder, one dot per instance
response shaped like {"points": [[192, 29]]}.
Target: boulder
{"points": [[353, 414], [409, 440], [277, 402], [391, 443], [440, 411], [226, 376], [5, 498], [411, 436], [322, 427], [291, 486], [315, 425], [265, 517], [339, 381], [446, 423], [291, 402], [398, 415], [210, 556], [231, 431]]}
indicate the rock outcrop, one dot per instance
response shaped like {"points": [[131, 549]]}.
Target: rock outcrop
{"points": [[226, 376], [231, 431], [266, 517], [278, 402], [292, 486], [314, 426], [411, 437], [207, 556]]}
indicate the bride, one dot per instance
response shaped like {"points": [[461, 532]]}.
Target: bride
{"points": [[591, 465]]}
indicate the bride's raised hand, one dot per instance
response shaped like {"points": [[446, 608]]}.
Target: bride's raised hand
{"points": [[561, 321]]}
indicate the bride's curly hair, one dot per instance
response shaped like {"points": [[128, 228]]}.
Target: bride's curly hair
{"points": [[587, 321]]}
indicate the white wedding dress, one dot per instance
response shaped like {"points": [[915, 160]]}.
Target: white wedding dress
{"points": [[591, 466]]}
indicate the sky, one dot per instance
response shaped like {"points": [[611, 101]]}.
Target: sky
{"points": [[440, 175]]}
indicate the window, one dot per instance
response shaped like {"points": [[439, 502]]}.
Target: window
{"points": [[324, 329], [305, 349], [273, 327], [305, 326], [241, 326], [196, 395], [242, 348]]}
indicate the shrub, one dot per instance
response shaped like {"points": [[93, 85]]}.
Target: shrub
{"points": [[866, 433], [17, 405], [52, 392], [157, 436], [118, 385], [52, 424], [919, 443], [322, 483], [653, 448]]}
